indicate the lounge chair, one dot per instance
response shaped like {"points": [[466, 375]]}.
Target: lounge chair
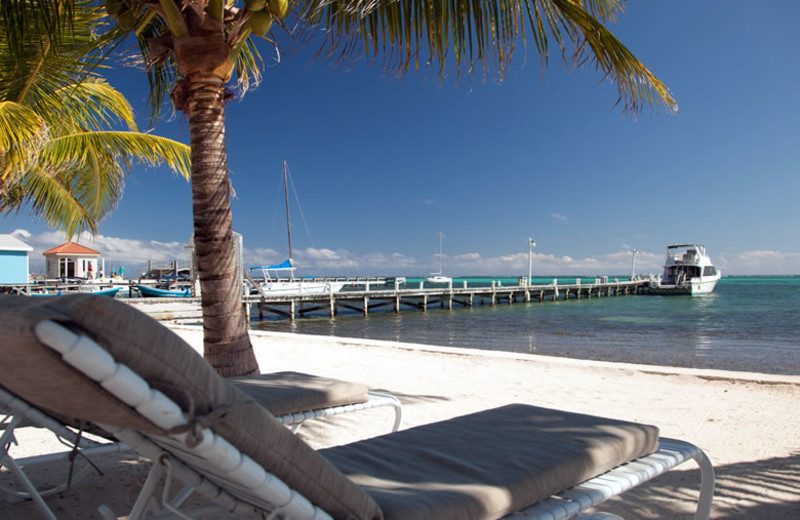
{"points": [[293, 397], [96, 360]]}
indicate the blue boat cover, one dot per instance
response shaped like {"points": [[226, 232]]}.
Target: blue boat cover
{"points": [[286, 264]]}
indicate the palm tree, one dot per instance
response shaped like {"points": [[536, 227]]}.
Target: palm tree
{"points": [[193, 47], [59, 151]]}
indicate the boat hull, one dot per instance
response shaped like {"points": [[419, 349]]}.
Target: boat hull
{"points": [[111, 291], [438, 279], [153, 292], [295, 288], [694, 287]]}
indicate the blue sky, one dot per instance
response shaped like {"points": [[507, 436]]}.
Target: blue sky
{"points": [[381, 166]]}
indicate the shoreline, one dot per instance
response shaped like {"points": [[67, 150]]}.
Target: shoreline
{"points": [[706, 373], [747, 423]]}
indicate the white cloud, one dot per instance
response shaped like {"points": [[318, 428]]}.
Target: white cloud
{"points": [[320, 254], [559, 217], [467, 257], [260, 256], [134, 255], [762, 262], [131, 253]]}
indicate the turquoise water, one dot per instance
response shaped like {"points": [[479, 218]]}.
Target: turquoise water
{"points": [[749, 324]]}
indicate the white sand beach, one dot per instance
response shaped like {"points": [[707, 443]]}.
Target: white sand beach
{"points": [[747, 423]]}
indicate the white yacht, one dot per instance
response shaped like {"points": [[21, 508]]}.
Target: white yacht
{"points": [[688, 270]]}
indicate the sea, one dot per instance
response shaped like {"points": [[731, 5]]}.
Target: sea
{"points": [[747, 324]]}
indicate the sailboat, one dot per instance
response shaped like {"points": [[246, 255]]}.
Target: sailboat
{"points": [[279, 279], [439, 277]]}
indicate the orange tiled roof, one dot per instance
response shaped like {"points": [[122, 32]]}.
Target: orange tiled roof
{"points": [[71, 248]]}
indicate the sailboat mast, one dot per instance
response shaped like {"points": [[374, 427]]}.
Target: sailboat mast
{"points": [[440, 252], [288, 221]]}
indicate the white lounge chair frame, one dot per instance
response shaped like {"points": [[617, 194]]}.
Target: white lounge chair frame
{"points": [[21, 414], [248, 488], [374, 400]]}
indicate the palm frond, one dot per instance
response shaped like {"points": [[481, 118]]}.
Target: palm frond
{"points": [[19, 17], [80, 178], [58, 150], [480, 37], [636, 85], [158, 62], [248, 66], [91, 104], [53, 197], [41, 66], [22, 133], [126, 147]]}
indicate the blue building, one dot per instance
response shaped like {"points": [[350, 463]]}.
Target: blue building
{"points": [[14, 263]]}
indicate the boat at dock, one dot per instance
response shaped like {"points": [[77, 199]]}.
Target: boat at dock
{"points": [[271, 282], [688, 270], [82, 289], [98, 291], [154, 292]]}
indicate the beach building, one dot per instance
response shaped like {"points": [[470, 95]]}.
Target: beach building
{"points": [[14, 264], [71, 260]]}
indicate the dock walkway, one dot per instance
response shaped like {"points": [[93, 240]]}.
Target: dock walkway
{"points": [[421, 299], [367, 299]]}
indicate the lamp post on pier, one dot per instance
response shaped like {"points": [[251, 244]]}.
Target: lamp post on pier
{"points": [[633, 264], [531, 245]]}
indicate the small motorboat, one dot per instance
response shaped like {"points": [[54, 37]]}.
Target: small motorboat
{"points": [[154, 292], [688, 270], [109, 291]]}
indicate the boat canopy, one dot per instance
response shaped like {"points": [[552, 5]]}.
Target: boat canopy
{"points": [[285, 265], [680, 246]]}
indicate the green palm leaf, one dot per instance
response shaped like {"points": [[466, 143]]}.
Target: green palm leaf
{"points": [[60, 148], [22, 132], [120, 147], [481, 36]]}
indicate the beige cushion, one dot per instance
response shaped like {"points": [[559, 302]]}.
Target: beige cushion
{"points": [[38, 375], [284, 393], [488, 464]]}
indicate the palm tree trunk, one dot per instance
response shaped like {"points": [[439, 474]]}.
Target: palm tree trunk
{"points": [[226, 341]]}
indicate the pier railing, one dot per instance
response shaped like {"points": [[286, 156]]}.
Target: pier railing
{"points": [[422, 298]]}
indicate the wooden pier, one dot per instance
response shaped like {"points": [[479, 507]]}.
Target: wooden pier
{"points": [[373, 295], [368, 300]]}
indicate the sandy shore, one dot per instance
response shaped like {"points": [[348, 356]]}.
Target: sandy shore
{"points": [[747, 423]]}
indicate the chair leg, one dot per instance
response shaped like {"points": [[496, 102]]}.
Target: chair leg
{"points": [[146, 501], [707, 483], [33, 493], [394, 402]]}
